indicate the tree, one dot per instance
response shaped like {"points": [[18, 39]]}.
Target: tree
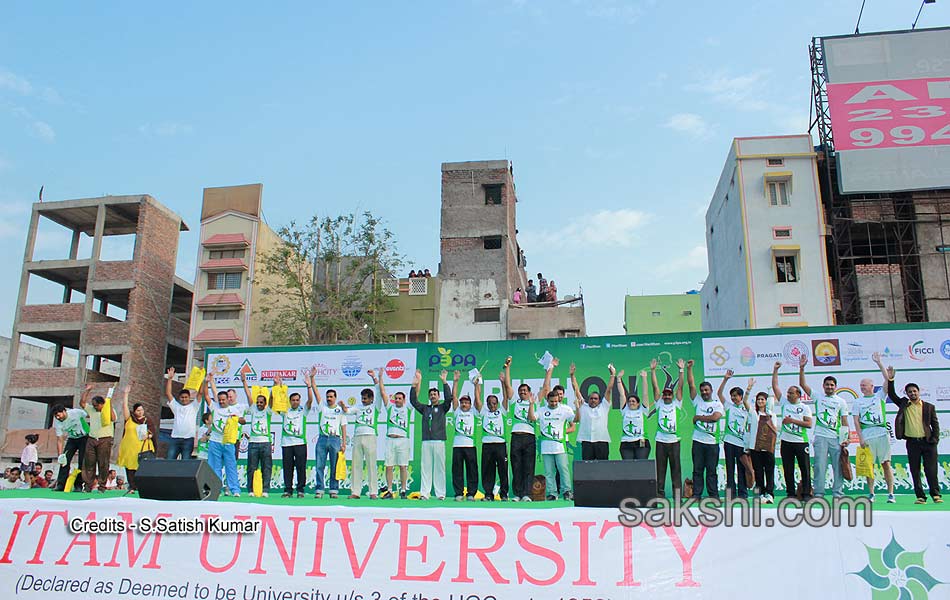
{"points": [[323, 284]]}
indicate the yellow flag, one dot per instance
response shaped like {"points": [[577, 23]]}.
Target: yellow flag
{"points": [[257, 485], [106, 414], [281, 402], [71, 481], [231, 430], [195, 378], [341, 466]]}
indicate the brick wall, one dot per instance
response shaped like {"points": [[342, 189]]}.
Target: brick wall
{"points": [[51, 313], [107, 334], [886, 269], [61, 377], [114, 270]]}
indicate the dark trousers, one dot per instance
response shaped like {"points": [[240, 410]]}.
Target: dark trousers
{"points": [[72, 447], [735, 482], [495, 459], [793, 452], [595, 450], [917, 450], [705, 460], [668, 454], [130, 475], [634, 450], [259, 456], [96, 462], [464, 471], [523, 458], [294, 459], [763, 464], [180, 448]]}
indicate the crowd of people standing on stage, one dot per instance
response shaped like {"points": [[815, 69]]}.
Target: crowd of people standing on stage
{"points": [[503, 433]]}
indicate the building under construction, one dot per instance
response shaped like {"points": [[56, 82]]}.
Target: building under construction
{"points": [[888, 252]]}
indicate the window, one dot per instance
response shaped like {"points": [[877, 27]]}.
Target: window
{"points": [[878, 304], [219, 315], [487, 315], [493, 193], [569, 333], [419, 286], [518, 335], [227, 254], [790, 310], [687, 313], [390, 287], [775, 162], [224, 281], [786, 271], [781, 233], [656, 313], [492, 242], [410, 337], [778, 193]]}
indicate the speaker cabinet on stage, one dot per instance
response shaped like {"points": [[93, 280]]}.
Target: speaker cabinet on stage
{"points": [[160, 479], [605, 483]]}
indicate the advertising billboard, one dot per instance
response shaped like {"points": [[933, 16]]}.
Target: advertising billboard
{"points": [[889, 100]]}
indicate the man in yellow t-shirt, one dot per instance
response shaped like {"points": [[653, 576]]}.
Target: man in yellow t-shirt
{"points": [[99, 445]]}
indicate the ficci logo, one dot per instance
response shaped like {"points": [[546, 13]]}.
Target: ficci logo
{"points": [[917, 351], [445, 359]]}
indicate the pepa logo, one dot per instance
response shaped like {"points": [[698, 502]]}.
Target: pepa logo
{"points": [[794, 351], [446, 359], [894, 572], [220, 365], [919, 352], [247, 369], [719, 356], [825, 353], [395, 369], [351, 366], [747, 357]]}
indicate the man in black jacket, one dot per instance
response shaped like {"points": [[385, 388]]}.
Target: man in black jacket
{"points": [[433, 435], [916, 423]]}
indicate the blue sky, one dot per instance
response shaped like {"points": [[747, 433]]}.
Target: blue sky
{"points": [[617, 115]]}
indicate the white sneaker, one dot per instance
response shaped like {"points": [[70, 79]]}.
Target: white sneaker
{"points": [[525, 499], [237, 495], [871, 497], [891, 499], [515, 499], [264, 494]]}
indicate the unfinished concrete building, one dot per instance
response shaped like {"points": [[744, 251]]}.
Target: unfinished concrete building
{"points": [[482, 263], [129, 317]]}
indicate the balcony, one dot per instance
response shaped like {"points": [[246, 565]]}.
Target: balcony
{"points": [[221, 301], [221, 241], [217, 337], [218, 265]]}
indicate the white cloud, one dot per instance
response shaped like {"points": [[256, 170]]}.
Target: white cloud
{"points": [[690, 124], [623, 11], [792, 122], [608, 227], [743, 92], [165, 129], [42, 130], [11, 218], [14, 83]]}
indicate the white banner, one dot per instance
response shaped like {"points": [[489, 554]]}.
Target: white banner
{"points": [[334, 552]]}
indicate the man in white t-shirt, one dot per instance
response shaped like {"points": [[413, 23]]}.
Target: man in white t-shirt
{"points": [[736, 425], [72, 432], [220, 454], [870, 423], [365, 434], [332, 436], [553, 420], [494, 447], [667, 433], [258, 416], [397, 438], [707, 432], [592, 414], [830, 434], [796, 419], [185, 427], [293, 446], [464, 456]]}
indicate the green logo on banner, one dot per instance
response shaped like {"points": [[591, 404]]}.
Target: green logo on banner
{"points": [[893, 572]]}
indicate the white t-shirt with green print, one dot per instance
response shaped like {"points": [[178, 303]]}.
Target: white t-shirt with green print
{"points": [[551, 425], [736, 421], [666, 417], [258, 424], [330, 419], [293, 431], [871, 415], [828, 413]]}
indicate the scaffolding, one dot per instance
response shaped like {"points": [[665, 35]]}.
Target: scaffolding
{"points": [[879, 245]]}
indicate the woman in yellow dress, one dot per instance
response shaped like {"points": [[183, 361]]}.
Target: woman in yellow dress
{"points": [[137, 437]]}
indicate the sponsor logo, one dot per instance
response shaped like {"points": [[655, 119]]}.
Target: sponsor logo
{"points": [[395, 369], [793, 352], [322, 372], [945, 349], [719, 356], [633, 344], [825, 353], [919, 352], [594, 346], [445, 359], [942, 392], [351, 366], [854, 352], [247, 369], [889, 354], [895, 572], [747, 357], [284, 374], [220, 365]]}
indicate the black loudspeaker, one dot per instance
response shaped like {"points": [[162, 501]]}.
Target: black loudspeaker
{"points": [[606, 483], [160, 479]]}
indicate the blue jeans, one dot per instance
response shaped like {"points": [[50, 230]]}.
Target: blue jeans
{"points": [[259, 457], [556, 463], [180, 448], [327, 449], [827, 449], [223, 454]]}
